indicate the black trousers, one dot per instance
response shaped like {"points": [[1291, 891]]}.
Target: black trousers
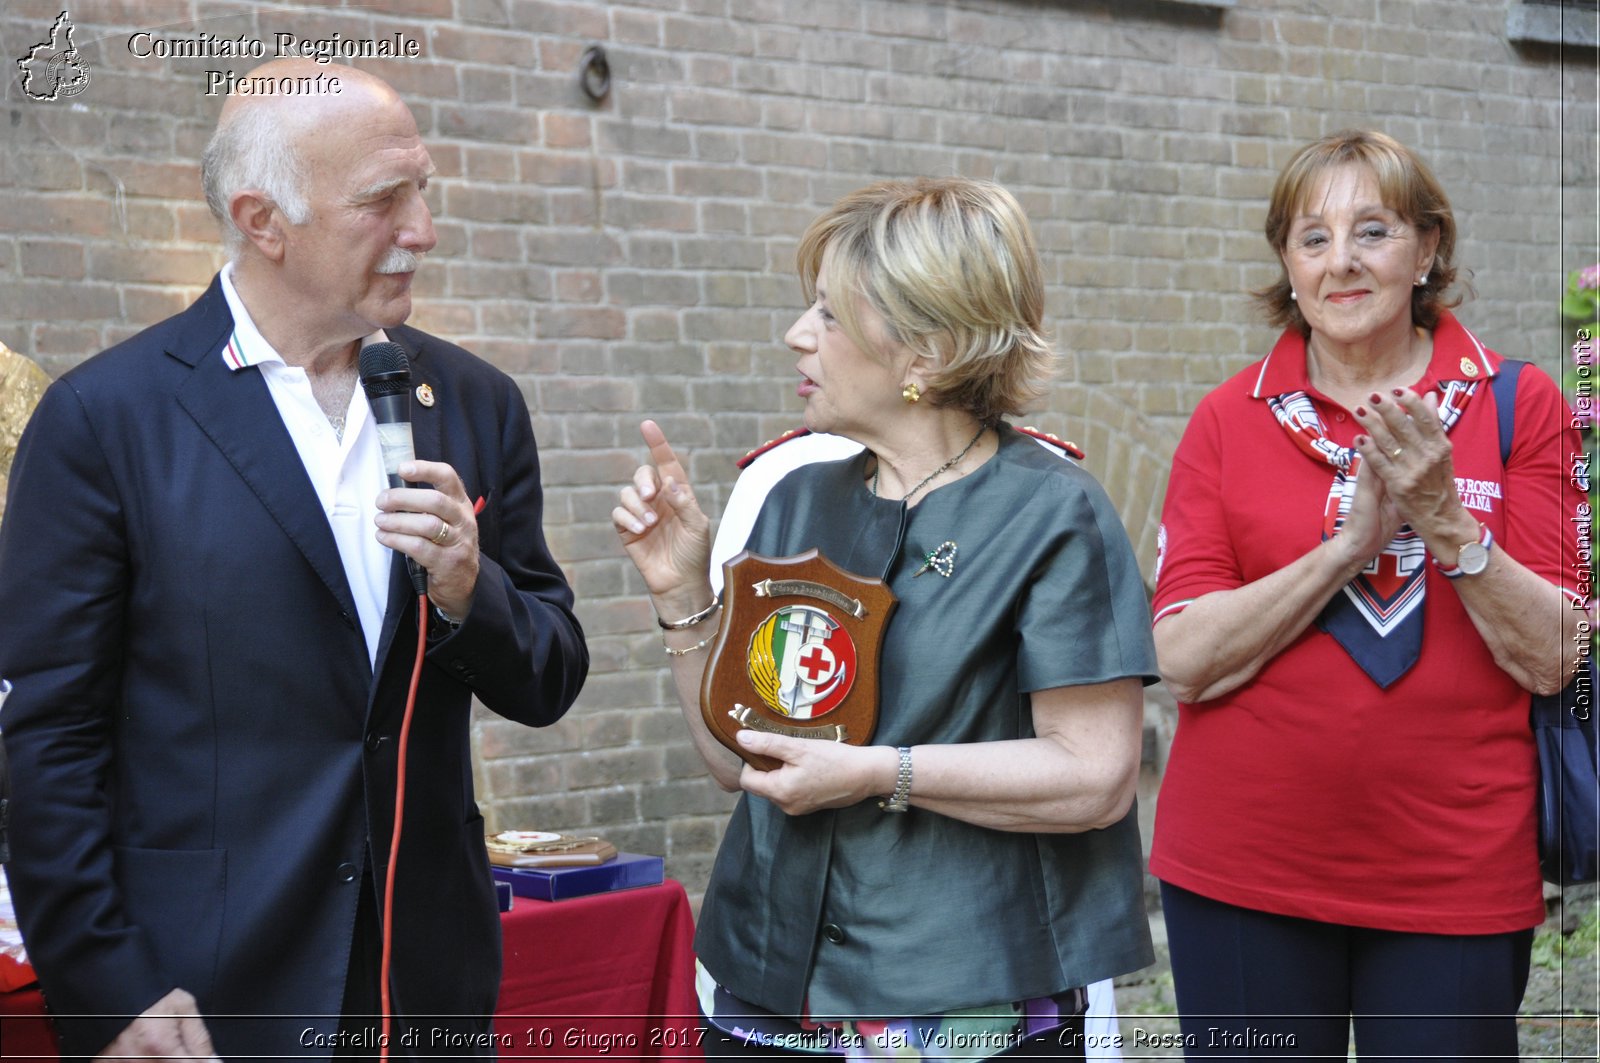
{"points": [[1252, 985]]}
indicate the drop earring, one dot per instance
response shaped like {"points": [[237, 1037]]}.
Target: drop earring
{"points": [[911, 393]]}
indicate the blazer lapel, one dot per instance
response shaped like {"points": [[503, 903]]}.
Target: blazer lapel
{"points": [[235, 410]]}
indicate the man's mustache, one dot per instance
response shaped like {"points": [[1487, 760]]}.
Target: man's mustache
{"points": [[399, 260]]}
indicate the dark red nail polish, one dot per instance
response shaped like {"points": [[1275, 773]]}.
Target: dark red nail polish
{"points": [[1376, 398], [1361, 441], [1361, 411], [1398, 393]]}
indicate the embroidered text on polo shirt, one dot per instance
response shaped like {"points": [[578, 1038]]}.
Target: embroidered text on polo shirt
{"points": [[1478, 494]]}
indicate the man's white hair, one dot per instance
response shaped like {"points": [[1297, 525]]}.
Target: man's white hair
{"points": [[253, 149]]}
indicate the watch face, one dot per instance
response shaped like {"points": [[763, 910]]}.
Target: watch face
{"points": [[1473, 559]]}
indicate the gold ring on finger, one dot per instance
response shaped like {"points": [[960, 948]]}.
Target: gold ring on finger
{"points": [[441, 536], [1397, 452]]}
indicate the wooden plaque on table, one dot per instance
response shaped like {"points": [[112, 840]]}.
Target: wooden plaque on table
{"points": [[797, 653]]}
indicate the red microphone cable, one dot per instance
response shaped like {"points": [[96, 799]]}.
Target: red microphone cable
{"points": [[386, 916]]}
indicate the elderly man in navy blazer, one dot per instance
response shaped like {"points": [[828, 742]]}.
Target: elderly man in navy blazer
{"points": [[210, 631]]}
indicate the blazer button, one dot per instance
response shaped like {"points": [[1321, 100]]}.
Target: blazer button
{"points": [[347, 872], [833, 932], [374, 740]]}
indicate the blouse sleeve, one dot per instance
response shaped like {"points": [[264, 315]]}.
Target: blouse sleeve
{"points": [[1084, 617]]}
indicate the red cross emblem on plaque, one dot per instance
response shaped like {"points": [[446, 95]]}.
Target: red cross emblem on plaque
{"points": [[802, 661], [818, 664]]}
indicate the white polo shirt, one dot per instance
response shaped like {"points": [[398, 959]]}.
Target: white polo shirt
{"points": [[346, 474]]}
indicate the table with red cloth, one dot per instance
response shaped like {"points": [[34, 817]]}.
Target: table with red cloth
{"points": [[610, 976]]}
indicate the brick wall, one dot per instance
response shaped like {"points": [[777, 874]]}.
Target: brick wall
{"points": [[634, 257]]}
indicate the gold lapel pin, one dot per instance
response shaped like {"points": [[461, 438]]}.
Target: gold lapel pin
{"points": [[1469, 367], [425, 394]]}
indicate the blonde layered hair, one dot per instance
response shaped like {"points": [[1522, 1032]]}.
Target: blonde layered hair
{"points": [[950, 264], [1408, 188]]}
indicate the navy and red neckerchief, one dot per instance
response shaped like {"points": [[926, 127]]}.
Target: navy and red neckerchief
{"points": [[1376, 617]]}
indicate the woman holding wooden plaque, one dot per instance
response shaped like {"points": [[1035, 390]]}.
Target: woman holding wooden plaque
{"points": [[947, 885]]}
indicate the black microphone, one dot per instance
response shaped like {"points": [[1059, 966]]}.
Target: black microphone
{"points": [[386, 378]]}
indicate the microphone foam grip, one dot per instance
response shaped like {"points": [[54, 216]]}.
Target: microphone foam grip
{"points": [[386, 378]]}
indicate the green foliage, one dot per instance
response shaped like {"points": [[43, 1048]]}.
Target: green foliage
{"points": [[1580, 304], [1580, 307], [1551, 947], [1161, 998]]}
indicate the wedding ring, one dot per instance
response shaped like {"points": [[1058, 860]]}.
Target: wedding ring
{"points": [[441, 536], [1397, 452]]}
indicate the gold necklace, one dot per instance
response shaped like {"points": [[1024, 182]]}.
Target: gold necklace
{"points": [[982, 428]]}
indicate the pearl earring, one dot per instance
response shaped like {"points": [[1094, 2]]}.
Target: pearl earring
{"points": [[1422, 280], [1294, 295]]}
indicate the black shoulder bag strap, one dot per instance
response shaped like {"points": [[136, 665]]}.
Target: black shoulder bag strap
{"points": [[1568, 745], [1504, 385]]}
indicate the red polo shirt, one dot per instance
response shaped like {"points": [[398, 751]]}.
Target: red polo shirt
{"points": [[1309, 791]]}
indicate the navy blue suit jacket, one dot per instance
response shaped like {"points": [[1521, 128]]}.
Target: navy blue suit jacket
{"points": [[202, 758]]}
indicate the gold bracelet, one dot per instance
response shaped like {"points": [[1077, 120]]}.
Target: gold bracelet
{"points": [[689, 621], [702, 644]]}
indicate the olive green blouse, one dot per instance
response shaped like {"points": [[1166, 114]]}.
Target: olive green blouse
{"points": [[855, 912], [22, 384]]}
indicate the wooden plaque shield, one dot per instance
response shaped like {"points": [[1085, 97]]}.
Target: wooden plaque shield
{"points": [[797, 653]]}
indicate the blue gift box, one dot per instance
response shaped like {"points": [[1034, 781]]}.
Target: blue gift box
{"points": [[627, 871]]}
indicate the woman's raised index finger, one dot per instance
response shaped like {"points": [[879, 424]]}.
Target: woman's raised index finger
{"points": [[1423, 409], [662, 456]]}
